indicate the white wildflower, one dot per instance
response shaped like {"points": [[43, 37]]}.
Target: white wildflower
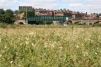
{"points": [[19, 38], [27, 38], [19, 65], [85, 53], [11, 62], [77, 46], [95, 53], [27, 42], [60, 48], [31, 33], [0, 39], [0, 55], [33, 44], [45, 45], [5, 47], [20, 43]]}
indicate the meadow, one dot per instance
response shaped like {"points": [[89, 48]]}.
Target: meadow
{"points": [[50, 46]]}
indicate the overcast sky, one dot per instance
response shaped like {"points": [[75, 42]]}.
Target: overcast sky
{"points": [[93, 6]]}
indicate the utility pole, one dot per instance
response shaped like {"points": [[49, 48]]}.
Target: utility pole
{"points": [[26, 16], [90, 16]]}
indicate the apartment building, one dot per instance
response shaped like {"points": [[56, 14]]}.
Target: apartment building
{"points": [[60, 12]]}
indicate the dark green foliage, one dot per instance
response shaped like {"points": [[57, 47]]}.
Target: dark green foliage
{"points": [[29, 14], [2, 11], [9, 13], [7, 16], [0, 16], [20, 11]]}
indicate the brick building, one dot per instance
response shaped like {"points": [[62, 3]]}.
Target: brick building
{"points": [[60, 12], [25, 7]]}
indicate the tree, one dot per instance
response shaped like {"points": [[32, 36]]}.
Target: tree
{"points": [[21, 11], [0, 16], [29, 14], [2, 11], [16, 12], [9, 12], [6, 18]]}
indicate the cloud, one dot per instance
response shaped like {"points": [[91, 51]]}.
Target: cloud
{"points": [[48, 4], [6, 4], [84, 6]]}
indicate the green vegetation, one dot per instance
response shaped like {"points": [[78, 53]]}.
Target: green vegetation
{"points": [[7, 16], [30, 13], [50, 46]]}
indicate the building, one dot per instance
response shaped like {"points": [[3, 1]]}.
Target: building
{"points": [[43, 12], [60, 12], [25, 7]]}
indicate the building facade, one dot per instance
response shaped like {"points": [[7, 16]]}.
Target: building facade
{"points": [[25, 7], [60, 12]]}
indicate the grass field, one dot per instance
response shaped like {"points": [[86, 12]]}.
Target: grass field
{"points": [[50, 46]]}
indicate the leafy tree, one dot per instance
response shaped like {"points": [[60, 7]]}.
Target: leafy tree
{"points": [[6, 18], [2, 11], [21, 11], [9, 12], [29, 14], [16, 12], [0, 16]]}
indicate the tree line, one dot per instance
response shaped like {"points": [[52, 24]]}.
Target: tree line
{"points": [[9, 16]]}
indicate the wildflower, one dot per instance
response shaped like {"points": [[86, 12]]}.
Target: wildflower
{"points": [[33, 44], [19, 65], [5, 47], [45, 45], [0, 39], [85, 53], [11, 62], [20, 43], [77, 46], [95, 53], [31, 33], [0, 55], [60, 48], [27, 42]]}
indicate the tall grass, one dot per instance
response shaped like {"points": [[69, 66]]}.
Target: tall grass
{"points": [[50, 47]]}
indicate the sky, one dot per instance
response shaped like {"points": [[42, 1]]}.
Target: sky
{"points": [[90, 6]]}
